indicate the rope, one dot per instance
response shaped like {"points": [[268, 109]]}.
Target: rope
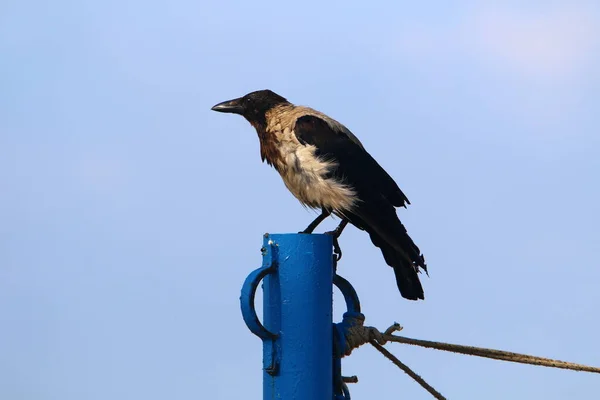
{"points": [[494, 354], [408, 371], [356, 334]]}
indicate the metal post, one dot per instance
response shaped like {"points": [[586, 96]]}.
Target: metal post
{"points": [[297, 332]]}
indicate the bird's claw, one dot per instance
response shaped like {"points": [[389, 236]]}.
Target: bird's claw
{"points": [[336, 234], [337, 251], [333, 233]]}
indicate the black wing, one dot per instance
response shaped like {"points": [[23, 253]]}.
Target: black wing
{"points": [[355, 165], [378, 194]]}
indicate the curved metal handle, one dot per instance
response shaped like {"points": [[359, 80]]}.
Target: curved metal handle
{"points": [[350, 295], [247, 302]]}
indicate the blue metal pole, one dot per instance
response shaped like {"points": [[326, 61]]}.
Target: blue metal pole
{"points": [[298, 305], [298, 331]]}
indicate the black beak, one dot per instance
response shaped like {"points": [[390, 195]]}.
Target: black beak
{"points": [[230, 106]]}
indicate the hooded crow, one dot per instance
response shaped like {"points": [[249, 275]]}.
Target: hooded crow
{"points": [[326, 167]]}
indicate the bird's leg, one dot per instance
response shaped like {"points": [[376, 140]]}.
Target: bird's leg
{"points": [[336, 234], [310, 228], [338, 231]]}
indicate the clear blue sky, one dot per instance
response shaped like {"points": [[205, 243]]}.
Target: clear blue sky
{"points": [[130, 213]]}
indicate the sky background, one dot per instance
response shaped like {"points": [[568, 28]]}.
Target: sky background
{"points": [[130, 213]]}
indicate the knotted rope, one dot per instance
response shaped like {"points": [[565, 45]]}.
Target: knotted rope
{"points": [[355, 334]]}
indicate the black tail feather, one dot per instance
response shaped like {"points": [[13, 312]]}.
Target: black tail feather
{"points": [[407, 278], [398, 249]]}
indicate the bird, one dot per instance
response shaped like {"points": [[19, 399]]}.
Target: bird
{"points": [[327, 168]]}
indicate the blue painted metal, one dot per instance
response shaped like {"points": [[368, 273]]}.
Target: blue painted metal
{"points": [[349, 293], [297, 333], [248, 295]]}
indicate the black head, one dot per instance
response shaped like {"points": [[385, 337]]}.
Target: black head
{"points": [[252, 106]]}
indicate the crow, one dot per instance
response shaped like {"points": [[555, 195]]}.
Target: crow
{"points": [[326, 167]]}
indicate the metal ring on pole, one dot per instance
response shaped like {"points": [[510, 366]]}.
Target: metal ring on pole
{"points": [[350, 295], [247, 302]]}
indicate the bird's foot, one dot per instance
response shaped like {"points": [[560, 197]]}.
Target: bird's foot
{"points": [[338, 230], [337, 250], [336, 234]]}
